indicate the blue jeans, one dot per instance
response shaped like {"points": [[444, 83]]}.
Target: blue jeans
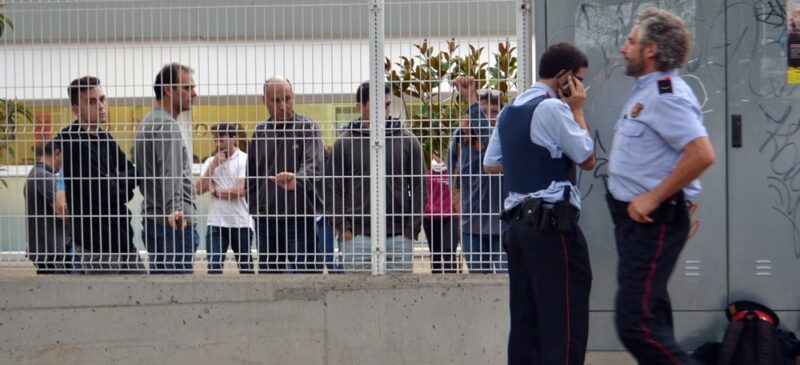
{"points": [[326, 239], [217, 241], [287, 245], [171, 251], [357, 254], [482, 253]]}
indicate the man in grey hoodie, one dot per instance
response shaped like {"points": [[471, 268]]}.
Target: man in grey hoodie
{"points": [[164, 168], [405, 189], [284, 165]]}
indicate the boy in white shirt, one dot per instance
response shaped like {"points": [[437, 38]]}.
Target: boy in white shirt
{"points": [[229, 222]]}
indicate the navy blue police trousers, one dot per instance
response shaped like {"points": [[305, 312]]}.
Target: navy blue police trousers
{"points": [[647, 255], [549, 278]]}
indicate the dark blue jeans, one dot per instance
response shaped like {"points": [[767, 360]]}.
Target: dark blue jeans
{"points": [[218, 239], [483, 254], [287, 244], [171, 251], [326, 239]]}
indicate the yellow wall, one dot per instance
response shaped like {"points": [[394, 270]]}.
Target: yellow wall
{"points": [[125, 119]]}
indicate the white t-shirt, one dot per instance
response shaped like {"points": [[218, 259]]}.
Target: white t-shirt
{"points": [[224, 212]]}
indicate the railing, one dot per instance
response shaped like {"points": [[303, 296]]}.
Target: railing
{"points": [[164, 186]]}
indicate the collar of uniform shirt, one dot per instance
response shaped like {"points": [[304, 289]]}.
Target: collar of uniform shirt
{"points": [[530, 94], [646, 79]]}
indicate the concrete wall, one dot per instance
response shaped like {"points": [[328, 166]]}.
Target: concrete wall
{"points": [[353, 319], [266, 320]]}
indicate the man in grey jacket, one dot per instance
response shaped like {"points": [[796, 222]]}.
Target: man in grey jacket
{"points": [[164, 167], [405, 190], [284, 163]]}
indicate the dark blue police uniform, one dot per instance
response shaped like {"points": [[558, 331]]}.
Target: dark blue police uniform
{"points": [[548, 261], [661, 117]]}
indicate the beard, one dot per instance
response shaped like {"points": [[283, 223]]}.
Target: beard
{"points": [[634, 69]]}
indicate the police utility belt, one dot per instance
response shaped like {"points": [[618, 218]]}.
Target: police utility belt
{"points": [[548, 217], [673, 210]]}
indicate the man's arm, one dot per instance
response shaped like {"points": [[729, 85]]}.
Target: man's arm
{"points": [[60, 205], [454, 167], [171, 166], [313, 155], [311, 166], [232, 193], [698, 156], [576, 101], [205, 183], [255, 170], [416, 158], [342, 176], [492, 161]]}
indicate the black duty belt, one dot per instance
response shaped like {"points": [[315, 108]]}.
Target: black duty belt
{"points": [[548, 217], [671, 210]]}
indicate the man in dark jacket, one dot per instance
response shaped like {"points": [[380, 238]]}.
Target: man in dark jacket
{"points": [[99, 183], [284, 163], [405, 190]]}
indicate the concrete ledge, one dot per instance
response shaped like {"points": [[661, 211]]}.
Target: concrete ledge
{"points": [[292, 319]]}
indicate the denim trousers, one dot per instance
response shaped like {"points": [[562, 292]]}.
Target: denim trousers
{"points": [[483, 253], [357, 254], [326, 240], [287, 245], [171, 251], [218, 239]]}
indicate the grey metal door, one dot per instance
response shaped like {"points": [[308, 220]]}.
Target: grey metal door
{"points": [[764, 165]]}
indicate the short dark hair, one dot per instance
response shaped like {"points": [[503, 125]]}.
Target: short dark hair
{"points": [[225, 129], [561, 56], [81, 85], [362, 93], [169, 76], [52, 146]]}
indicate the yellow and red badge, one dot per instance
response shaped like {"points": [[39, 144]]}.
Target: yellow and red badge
{"points": [[637, 109]]}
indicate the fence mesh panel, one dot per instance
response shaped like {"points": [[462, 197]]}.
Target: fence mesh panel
{"points": [[178, 137]]}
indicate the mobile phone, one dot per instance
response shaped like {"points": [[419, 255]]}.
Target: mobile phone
{"points": [[562, 80]]}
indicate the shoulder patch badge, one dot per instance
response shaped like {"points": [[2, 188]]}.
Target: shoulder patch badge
{"points": [[637, 109], [665, 86]]}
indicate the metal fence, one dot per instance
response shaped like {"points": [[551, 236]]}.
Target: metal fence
{"points": [[239, 138]]}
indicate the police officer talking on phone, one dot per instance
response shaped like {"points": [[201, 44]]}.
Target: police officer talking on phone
{"points": [[537, 142], [660, 149]]}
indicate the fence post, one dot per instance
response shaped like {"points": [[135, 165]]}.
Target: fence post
{"points": [[377, 163], [525, 57]]}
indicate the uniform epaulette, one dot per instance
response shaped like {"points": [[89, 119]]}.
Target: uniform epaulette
{"points": [[665, 85]]}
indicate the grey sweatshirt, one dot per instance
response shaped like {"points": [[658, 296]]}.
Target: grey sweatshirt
{"points": [[164, 167]]}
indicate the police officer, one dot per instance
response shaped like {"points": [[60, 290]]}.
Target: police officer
{"points": [[537, 141], [660, 149]]}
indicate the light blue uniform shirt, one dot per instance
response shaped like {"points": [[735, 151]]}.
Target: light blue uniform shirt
{"points": [[650, 136], [553, 127]]}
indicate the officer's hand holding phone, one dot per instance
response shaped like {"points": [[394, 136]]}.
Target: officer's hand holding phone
{"points": [[571, 90]]}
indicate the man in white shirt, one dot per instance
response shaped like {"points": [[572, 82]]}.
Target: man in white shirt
{"points": [[229, 222]]}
